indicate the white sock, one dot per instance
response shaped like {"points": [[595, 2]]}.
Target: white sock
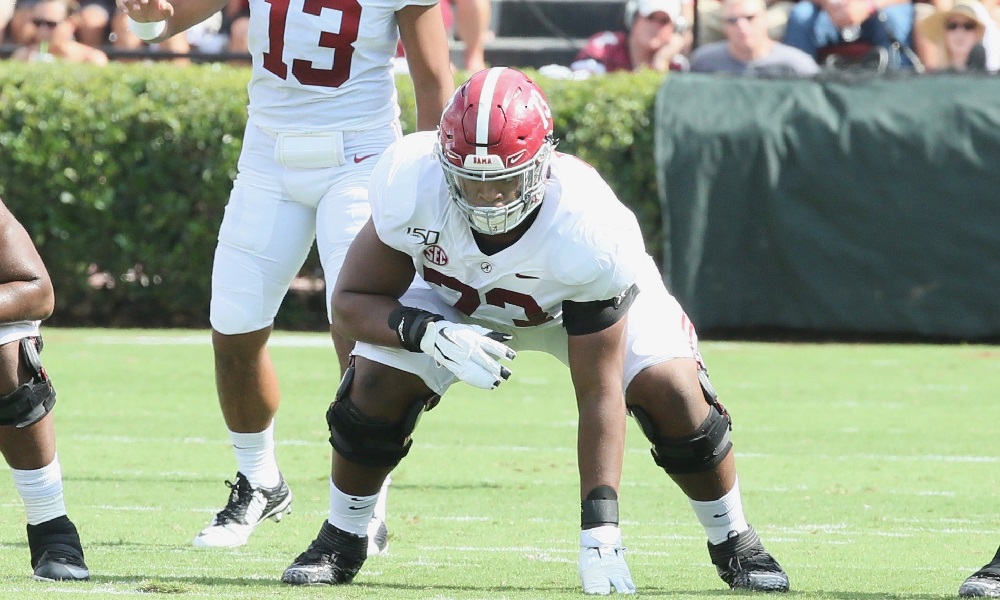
{"points": [[722, 516], [351, 513], [382, 499], [41, 491], [255, 457]]}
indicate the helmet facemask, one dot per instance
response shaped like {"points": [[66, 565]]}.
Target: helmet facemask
{"points": [[493, 220]]}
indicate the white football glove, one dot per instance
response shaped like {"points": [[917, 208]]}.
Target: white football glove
{"points": [[602, 562], [471, 352]]}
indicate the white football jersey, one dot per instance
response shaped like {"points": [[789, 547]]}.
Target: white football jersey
{"points": [[324, 65], [584, 244]]}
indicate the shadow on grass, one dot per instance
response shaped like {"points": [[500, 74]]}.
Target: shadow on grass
{"points": [[183, 585]]}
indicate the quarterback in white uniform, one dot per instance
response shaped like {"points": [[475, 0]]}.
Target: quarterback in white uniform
{"points": [[27, 430], [323, 107], [484, 241]]}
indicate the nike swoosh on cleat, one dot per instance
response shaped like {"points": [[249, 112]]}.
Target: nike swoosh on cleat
{"points": [[358, 158]]}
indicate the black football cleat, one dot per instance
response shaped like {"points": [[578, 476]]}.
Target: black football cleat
{"points": [[984, 583], [333, 558], [56, 551], [744, 564]]}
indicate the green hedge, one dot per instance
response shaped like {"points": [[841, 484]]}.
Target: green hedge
{"points": [[121, 175]]}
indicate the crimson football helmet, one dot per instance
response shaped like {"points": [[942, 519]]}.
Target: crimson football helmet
{"points": [[497, 127]]}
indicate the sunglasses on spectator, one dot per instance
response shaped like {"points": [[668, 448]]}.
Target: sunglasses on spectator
{"points": [[733, 20], [968, 26], [45, 23], [659, 18]]}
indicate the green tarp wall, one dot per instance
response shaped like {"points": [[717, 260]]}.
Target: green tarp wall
{"points": [[865, 206]]}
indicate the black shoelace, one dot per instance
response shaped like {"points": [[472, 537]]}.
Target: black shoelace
{"points": [[239, 500]]}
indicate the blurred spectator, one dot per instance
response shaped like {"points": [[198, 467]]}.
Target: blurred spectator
{"points": [[815, 27], [711, 27], [53, 36], [19, 29], [747, 49], [6, 12], [236, 26], [654, 40], [963, 37], [93, 22], [472, 27]]}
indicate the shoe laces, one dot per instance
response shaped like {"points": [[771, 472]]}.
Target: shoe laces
{"points": [[316, 553], [754, 559], [239, 500], [64, 555], [989, 572]]}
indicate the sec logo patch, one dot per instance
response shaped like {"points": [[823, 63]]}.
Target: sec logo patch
{"points": [[435, 254]]}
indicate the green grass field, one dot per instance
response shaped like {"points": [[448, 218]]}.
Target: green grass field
{"points": [[870, 471]]}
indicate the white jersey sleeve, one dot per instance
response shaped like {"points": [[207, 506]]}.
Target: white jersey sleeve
{"points": [[405, 188], [324, 65], [602, 252]]}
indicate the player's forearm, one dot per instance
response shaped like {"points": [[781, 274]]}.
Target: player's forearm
{"points": [[365, 318], [26, 300], [431, 98], [601, 441]]}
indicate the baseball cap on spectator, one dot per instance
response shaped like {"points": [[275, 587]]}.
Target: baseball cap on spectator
{"points": [[644, 8]]}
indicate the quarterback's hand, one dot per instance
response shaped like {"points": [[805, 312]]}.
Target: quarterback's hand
{"points": [[146, 11], [602, 562], [471, 352]]}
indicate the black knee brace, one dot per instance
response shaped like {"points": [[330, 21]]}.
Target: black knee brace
{"points": [[696, 453], [29, 403], [369, 441]]}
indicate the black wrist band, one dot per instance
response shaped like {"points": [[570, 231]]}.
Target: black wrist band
{"points": [[410, 324]]}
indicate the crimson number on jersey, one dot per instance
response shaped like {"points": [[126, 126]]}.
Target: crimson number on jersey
{"points": [[342, 43], [470, 300]]}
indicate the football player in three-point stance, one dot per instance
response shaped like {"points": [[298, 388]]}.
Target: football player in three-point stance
{"points": [[27, 432], [323, 107], [510, 246]]}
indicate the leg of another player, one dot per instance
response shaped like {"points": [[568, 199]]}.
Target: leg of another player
{"points": [[30, 452], [247, 386], [690, 433]]}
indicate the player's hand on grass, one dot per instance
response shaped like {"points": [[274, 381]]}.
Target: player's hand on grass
{"points": [[602, 562], [471, 352]]}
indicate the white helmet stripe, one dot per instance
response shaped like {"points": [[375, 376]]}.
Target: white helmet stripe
{"points": [[486, 103]]}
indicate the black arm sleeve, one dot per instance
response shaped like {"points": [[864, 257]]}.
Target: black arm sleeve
{"points": [[581, 318]]}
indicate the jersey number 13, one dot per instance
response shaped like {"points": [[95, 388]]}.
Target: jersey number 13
{"points": [[342, 43]]}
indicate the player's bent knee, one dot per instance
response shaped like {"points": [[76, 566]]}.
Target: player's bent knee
{"points": [[29, 403], [366, 440], [699, 452], [702, 451]]}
